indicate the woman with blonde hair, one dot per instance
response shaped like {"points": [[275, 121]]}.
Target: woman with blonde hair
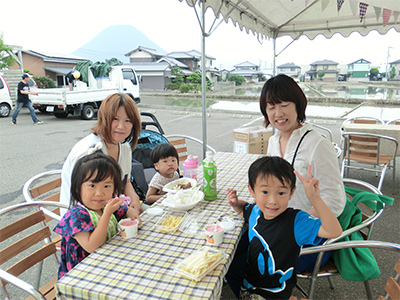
{"points": [[115, 134]]}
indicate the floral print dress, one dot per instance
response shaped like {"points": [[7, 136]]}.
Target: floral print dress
{"points": [[78, 219]]}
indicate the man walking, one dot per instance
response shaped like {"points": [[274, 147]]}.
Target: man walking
{"points": [[23, 99]]}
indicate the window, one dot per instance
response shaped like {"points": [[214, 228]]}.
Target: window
{"points": [[128, 74], [326, 67]]}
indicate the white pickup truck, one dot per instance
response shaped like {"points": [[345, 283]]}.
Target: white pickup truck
{"points": [[84, 100]]}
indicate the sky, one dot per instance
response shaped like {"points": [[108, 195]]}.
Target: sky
{"points": [[173, 26]]}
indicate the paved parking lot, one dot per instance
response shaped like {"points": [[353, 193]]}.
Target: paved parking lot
{"points": [[27, 150]]}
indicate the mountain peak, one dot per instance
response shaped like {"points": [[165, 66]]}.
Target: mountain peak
{"points": [[115, 41]]}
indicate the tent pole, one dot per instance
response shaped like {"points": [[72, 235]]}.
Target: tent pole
{"points": [[203, 79], [274, 59]]}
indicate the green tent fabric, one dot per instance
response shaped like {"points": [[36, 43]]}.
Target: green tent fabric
{"points": [[357, 264]]}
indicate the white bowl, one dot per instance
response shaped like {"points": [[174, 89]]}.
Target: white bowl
{"points": [[173, 186], [173, 200]]}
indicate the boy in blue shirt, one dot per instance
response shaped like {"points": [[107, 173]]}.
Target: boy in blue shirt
{"points": [[277, 233]]}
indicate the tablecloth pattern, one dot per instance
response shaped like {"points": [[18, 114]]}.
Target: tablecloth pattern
{"points": [[143, 267]]}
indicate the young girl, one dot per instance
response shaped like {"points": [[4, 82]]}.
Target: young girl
{"points": [[166, 161], [93, 218]]}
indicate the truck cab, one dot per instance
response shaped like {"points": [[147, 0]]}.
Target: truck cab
{"points": [[6, 104]]}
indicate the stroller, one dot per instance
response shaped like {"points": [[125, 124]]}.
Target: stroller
{"points": [[142, 166]]}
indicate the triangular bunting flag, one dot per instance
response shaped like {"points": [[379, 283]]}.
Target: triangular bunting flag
{"points": [[363, 10], [353, 5], [324, 4], [386, 16], [377, 12], [339, 5]]}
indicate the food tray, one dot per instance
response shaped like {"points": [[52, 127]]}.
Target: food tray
{"points": [[200, 263], [161, 226], [173, 186]]}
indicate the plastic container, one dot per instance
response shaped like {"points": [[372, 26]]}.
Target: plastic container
{"points": [[169, 222], [200, 263], [210, 177], [190, 167]]}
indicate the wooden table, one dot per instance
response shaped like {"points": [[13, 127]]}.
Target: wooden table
{"points": [[143, 267], [388, 130]]}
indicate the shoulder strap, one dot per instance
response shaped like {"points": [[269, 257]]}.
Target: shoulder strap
{"points": [[298, 146]]}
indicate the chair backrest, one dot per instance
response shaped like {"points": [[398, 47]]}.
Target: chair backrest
{"points": [[180, 143], [369, 214], [392, 287], [369, 148], [35, 190], [26, 241], [393, 122], [364, 120]]}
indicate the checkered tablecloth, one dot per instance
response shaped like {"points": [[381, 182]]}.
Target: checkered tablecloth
{"points": [[143, 267]]}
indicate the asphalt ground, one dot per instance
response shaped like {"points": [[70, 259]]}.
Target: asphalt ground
{"points": [[28, 149]]}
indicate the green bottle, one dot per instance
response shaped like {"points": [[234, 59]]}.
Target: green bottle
{"points": [[210, 177]]}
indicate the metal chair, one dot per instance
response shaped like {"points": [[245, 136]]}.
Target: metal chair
{"points": [[327, 133], [393, 122], [369, 216], [359, 120], [180, 143], [392, 286], [363, 150], [26, 241], [34, 190]]}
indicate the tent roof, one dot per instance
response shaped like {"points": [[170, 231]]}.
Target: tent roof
{"points": [[275, 18]]}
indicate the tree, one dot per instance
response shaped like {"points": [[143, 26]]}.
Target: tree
{"points": [[392, 72], [6, 59], [373, 73], [178, 75], [320, 75], [238, 79]]}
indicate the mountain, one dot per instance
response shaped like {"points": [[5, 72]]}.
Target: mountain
{"points": [[115, 41]]}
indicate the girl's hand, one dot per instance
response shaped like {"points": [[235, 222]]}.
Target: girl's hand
{"points": [[311, 185], [232, 197], [112, 205], [133, 215]]}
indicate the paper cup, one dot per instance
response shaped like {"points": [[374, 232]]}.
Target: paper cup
{"points": [[214, 234], [128, 228]]}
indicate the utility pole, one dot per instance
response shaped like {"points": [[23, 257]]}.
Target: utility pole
{"points": [[387, 63]]}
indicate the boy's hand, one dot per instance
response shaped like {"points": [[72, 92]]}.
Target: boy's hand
{"points": [[112, 205], [311, 185], [232, 197]]}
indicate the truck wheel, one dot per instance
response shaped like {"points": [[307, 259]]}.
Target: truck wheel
{"points": [[87, 112], [4, 110], [61, 115]]}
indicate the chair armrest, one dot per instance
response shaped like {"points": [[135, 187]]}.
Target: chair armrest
{"points": [[351, 244], [15, 281]]}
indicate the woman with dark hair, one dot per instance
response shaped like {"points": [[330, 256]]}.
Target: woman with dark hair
{"points": [[118, 124], [283, 104]]}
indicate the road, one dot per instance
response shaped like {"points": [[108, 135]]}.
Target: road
{"points": [[27, 150]]}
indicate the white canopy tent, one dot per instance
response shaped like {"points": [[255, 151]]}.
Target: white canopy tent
{"points": [[275, 18]]}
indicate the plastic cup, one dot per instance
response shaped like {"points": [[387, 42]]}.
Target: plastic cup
{"points": [[128, 228], [214, 234]]}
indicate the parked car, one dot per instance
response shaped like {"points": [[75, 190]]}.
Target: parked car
{"points": [[6, 104]]}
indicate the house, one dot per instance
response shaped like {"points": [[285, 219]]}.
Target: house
{"points": [[328, 67], [396, 66], [359, 70], [248, 70], [289, 69], [54, 65], [155, 67], [143, 55]]}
